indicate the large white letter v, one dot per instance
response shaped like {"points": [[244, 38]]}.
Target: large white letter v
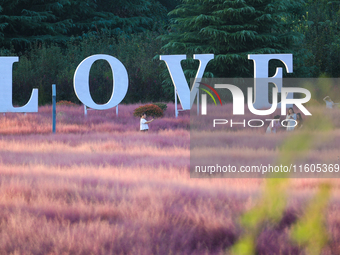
{"points": [[173, 63]]}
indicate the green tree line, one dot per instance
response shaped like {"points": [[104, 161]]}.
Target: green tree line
{"points": [[53, 37], [23, 22], [233, 29]]}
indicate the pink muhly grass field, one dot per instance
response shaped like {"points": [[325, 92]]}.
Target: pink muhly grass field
{"points": [[99, 186], [71, 119]]}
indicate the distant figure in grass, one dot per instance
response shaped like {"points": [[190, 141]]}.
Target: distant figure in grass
{"points": [[144, 123], [274, 126], [291, 119], [299, 121], [329, 103]]}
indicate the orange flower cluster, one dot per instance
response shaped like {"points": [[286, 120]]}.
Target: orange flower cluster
{"points": [[149, 109], [66, 103]]}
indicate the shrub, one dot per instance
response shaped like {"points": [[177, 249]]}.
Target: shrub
{"points": [[149, 109], [162, 106], [65, 102]]}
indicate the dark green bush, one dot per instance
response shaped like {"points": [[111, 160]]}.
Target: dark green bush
{"points": [[66, 103], [163, 106], [149, 109]]}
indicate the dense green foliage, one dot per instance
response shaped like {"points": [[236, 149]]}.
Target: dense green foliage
{"points": [[25, 21], [322, 38], [170, 4], [163, 106], [232, 30]]}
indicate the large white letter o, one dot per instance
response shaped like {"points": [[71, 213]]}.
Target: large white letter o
{"points": [[82, 86]]}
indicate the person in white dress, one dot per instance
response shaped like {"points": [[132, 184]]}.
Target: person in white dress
{"points": [[291, 119], [274, 126], [329, 103], [144, 123]]}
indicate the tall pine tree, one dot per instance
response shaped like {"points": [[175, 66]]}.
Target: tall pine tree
{"points": [[322, 37], [115, 17], [232, 29], [25, 21], [22, 22]]}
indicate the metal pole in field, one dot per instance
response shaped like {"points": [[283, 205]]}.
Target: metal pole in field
{"points": [[117, 110], [54, 95], [198, 102], [176, 110]]}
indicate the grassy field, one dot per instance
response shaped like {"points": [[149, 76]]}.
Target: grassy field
{"points": [[99, 186]]}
